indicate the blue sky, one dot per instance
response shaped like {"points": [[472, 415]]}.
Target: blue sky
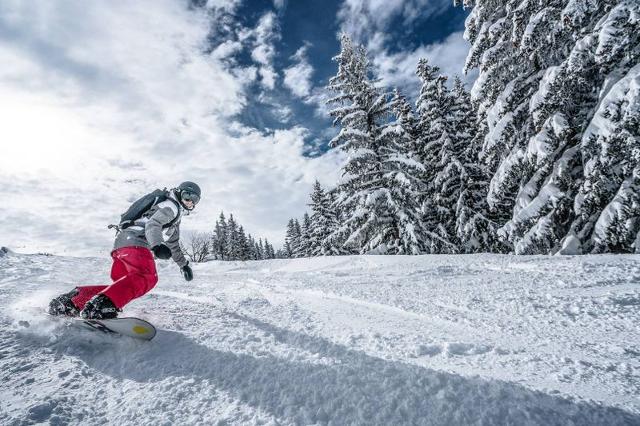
{"points": [[104, 101], [314, 27]]}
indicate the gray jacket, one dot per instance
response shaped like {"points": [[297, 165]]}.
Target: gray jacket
{"points": [[148, 230]]}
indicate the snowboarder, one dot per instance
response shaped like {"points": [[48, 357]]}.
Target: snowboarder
{"points": [[139, 237]]}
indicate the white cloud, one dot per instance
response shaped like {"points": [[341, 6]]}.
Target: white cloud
{"points": [[225, 5], [246, 75], [280, 4], [399, 69], [268, 76], [284, 113], [226, 49], [367, 20], [264, 35], [318, 98], [102, 101], [298, 77]]}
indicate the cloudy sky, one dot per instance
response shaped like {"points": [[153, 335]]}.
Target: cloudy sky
{"points": [[103, 101]]}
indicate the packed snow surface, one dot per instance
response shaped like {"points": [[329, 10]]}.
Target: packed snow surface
{"points": [[443, 340]]}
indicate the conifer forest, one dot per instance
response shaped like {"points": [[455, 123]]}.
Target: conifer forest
{"points": [[540, 156]]}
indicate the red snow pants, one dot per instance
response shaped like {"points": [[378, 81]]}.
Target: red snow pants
{"points": [[133, 274]]}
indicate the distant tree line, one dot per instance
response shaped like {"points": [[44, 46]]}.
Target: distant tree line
{"points": [[228, 241]]}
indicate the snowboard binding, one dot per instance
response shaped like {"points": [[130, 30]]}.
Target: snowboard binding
{"points": [[63, 305], [99, 307]]}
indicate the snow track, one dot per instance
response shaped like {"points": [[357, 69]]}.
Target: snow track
{"points": [[349, 340]]}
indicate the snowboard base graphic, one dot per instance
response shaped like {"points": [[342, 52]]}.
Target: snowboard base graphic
{"points": [[126, 326]]}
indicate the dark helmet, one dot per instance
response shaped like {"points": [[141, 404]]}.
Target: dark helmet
{"points": [[188, 191]]}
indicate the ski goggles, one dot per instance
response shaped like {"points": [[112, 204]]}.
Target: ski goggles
{"points": [[190, 196]]}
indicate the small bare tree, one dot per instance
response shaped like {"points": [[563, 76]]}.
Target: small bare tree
{"points": [[197, 247]]}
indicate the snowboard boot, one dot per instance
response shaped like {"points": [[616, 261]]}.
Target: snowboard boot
{"points": [[99, 307], [63, 305]]}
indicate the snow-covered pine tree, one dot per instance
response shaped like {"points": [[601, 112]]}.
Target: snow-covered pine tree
{"points": [[251, 245], [319, 231], [544, 69], [402, 230], [335, 243], [220, 238], [474, 229], [232, 243], [451, 173], [323, 223], [261, 252], [607, 205], [369, 199], [298, 243], [244, 251], [305, 236], [268, 250], [256, 250], [232, 248], [510, 70], [290, 239], [434, 108], [357, 108]]}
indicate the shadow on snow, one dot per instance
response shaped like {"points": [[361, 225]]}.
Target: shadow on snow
{"points": [[354, 388]]}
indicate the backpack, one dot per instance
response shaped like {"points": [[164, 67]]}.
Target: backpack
{"points": [[142, 205]]}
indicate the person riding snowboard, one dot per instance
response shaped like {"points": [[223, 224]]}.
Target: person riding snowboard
{"points": [[140, 236]]}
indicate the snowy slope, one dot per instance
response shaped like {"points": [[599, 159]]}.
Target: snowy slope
{"points": [[478, 339]]}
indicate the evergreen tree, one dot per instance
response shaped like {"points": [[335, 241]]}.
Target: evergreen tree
{"points": [[290, 240], [376, 180], [323, 223], [402, 230], [269, 253], [298, 243], [305, 236], [434, 108], [474, 229], [232, 248], [319, 230], [338, 214], [251, 245], [256, 251], [244, 250], [231, 242], [220, 238], [544, 69], [510, 63], [358, 108], [608, 203]]}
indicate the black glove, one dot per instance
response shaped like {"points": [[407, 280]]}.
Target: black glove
{"points": [[187, 272], [161, 251]]}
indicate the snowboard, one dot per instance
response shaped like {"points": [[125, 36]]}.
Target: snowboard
{"points": [[125, 326]]}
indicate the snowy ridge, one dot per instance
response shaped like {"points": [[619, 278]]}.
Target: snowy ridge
{"points": [[478, 339]]}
